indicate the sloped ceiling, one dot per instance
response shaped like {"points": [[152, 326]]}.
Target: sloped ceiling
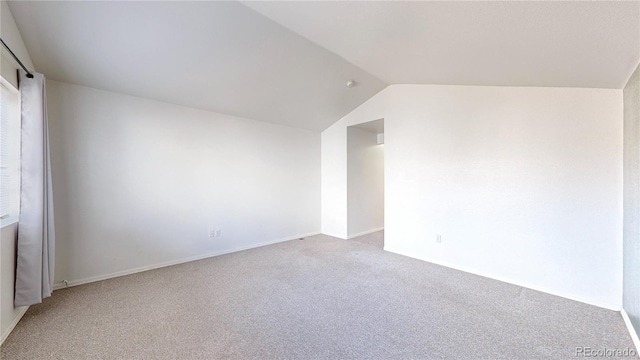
{"points": [[510, 43], [287, 62], [219, 56]]}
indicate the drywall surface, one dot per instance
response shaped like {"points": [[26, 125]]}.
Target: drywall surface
{"points": [[631, 242], [139, 183], [365, 182], [13, 39], [334, 164], [8, 235], [523, 184]]}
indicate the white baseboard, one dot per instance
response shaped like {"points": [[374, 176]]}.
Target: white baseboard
{"points": [[343, 237], [632, 330], [365, 233], [14, 322], [61, 285], [602, 304]]}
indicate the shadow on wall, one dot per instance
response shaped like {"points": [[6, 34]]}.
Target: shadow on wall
{"points": [[139, 183], [365, 178]]}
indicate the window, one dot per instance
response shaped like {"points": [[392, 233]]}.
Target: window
{"points": [[9, 153]]}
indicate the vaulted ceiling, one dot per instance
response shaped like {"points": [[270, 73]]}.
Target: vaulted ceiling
{"points": [[219, 56], [592, 44], [287, 62]]}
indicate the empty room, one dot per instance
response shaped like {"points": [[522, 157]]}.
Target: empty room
{"points": [[320, 179]]}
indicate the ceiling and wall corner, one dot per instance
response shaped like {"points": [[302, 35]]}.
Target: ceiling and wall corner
{"points": [[288, 62], [11, 36], [375, 126], [218, 56], [589, 44]]}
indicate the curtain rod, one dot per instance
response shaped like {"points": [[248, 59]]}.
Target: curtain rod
{"points": [[29, 74]]}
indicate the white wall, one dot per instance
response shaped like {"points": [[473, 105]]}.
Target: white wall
{"points": [[631, 259], [8, 234], [365, 182], [524, 184], [334, 164], [139, 183], [12, 37]]}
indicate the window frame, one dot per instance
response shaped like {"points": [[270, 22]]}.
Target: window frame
{"points": [[13, 217]]}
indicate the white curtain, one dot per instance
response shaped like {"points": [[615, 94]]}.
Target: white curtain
{"points": [[36, 238]]}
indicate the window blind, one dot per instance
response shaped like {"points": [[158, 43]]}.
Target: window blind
{"points": [[9, 152]]}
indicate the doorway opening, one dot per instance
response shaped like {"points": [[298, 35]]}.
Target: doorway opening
{"points": [[365, 183]]}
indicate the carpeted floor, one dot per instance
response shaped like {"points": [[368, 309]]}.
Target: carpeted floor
{"points": [[317, 298]]}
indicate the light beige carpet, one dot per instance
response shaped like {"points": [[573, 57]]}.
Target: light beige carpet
{"points": [[318, 298]]}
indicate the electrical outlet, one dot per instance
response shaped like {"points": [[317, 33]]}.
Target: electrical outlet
{"points": [[438, 238], [218, 233], [212, 233]]}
